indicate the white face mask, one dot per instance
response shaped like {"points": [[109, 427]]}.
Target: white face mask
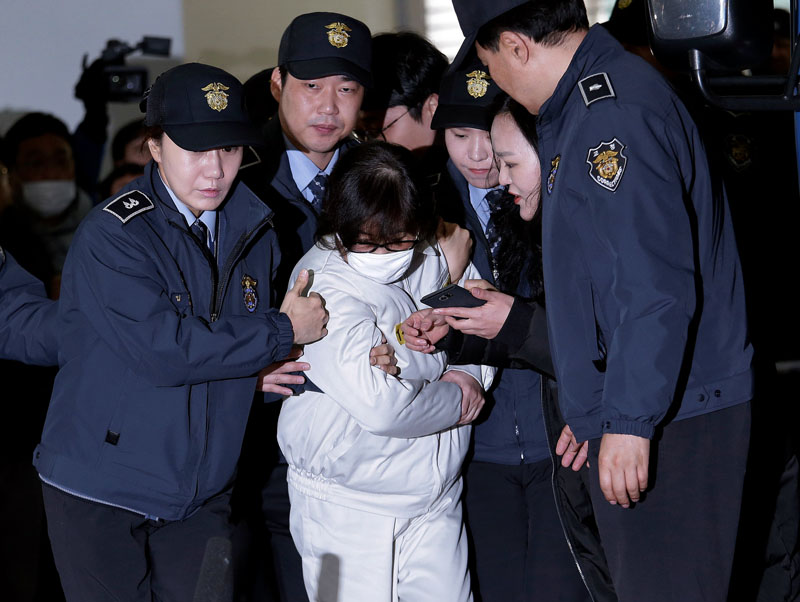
{"points": [[48, 198], [381, 267]]}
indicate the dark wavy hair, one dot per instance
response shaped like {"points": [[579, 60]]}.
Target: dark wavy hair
{"points": [[376, 187], [519, 255]]}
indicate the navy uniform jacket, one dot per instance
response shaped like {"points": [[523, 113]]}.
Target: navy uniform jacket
{"points": [[512, 431], [646, 306], [28, 319], [159, 351]]}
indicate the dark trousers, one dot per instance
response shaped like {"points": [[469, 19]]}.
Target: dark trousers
{"points": [[677, 544], [105, 553], [286, 558], [518, 551], [261, 506]]}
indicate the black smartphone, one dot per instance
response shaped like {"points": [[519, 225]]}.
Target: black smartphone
{"points": [[452, 296]]}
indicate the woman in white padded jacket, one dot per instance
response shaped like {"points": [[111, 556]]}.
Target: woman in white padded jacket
{"points": [[374, 460]]}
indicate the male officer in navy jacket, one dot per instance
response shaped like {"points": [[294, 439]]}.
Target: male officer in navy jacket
{"points": [[324, 62], [645, 301]]}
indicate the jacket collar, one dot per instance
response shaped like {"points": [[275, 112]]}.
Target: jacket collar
{"points": [[240, 212]]}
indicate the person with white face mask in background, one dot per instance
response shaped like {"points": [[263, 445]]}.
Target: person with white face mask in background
{"points": [[374, 460], [39, 152]]}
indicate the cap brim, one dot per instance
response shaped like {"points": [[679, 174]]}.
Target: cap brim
{"points": [[467, 47], [459, 116], [205, 136], [312, 69]]}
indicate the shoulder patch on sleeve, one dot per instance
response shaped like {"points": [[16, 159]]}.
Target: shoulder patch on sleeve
{"points": [[607, 163], [127, 206], [596, 87]]}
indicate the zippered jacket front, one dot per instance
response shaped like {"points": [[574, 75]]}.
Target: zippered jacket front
{"points": [[160, 348]]}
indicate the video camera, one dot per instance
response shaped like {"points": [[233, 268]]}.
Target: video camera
{"points": [[121, 82]]}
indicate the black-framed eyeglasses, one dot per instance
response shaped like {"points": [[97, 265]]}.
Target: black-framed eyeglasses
{"points": [[367, 134], [367, 246]]}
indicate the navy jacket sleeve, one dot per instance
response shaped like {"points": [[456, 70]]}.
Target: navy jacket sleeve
{"points": [[113, 279], [28, 319], [640, 249]]}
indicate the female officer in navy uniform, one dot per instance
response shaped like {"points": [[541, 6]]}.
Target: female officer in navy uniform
{"points": [[517, 548], [167, 319]]}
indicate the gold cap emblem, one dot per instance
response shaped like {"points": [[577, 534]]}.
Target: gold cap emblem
{"points": [[624, 3], [477, 85], [337, 34], [216, 97]]}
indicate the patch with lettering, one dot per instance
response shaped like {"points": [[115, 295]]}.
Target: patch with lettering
{"points": [[128, 205], [607, 164]]}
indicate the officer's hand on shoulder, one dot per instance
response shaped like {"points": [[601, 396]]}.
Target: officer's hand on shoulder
{"points": [[307, 314]]}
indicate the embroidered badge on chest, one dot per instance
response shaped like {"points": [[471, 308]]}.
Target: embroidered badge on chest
{"points": [[551, 179], [607, 164], [249, 293]]}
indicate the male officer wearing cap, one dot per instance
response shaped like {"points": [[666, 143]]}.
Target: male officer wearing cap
{"points": [[166, 319], [644, 293], [323, 67], [518, 550]]}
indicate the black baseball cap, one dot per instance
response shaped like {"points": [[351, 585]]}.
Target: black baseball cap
{"points": [[465, 98], [200, 107], [474, 14], [322, 44]]}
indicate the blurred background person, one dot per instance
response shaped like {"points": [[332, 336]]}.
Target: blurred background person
{"points": [[129, 145], [39, 153]]}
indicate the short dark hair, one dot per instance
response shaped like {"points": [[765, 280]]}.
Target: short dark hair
{"points": [[544, 21], [378, 186], [406, 70], [30, 126], [129, 131]]}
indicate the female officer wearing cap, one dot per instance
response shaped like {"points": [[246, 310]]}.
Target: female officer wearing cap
{"points": [[166, 316], [518, 550]]}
